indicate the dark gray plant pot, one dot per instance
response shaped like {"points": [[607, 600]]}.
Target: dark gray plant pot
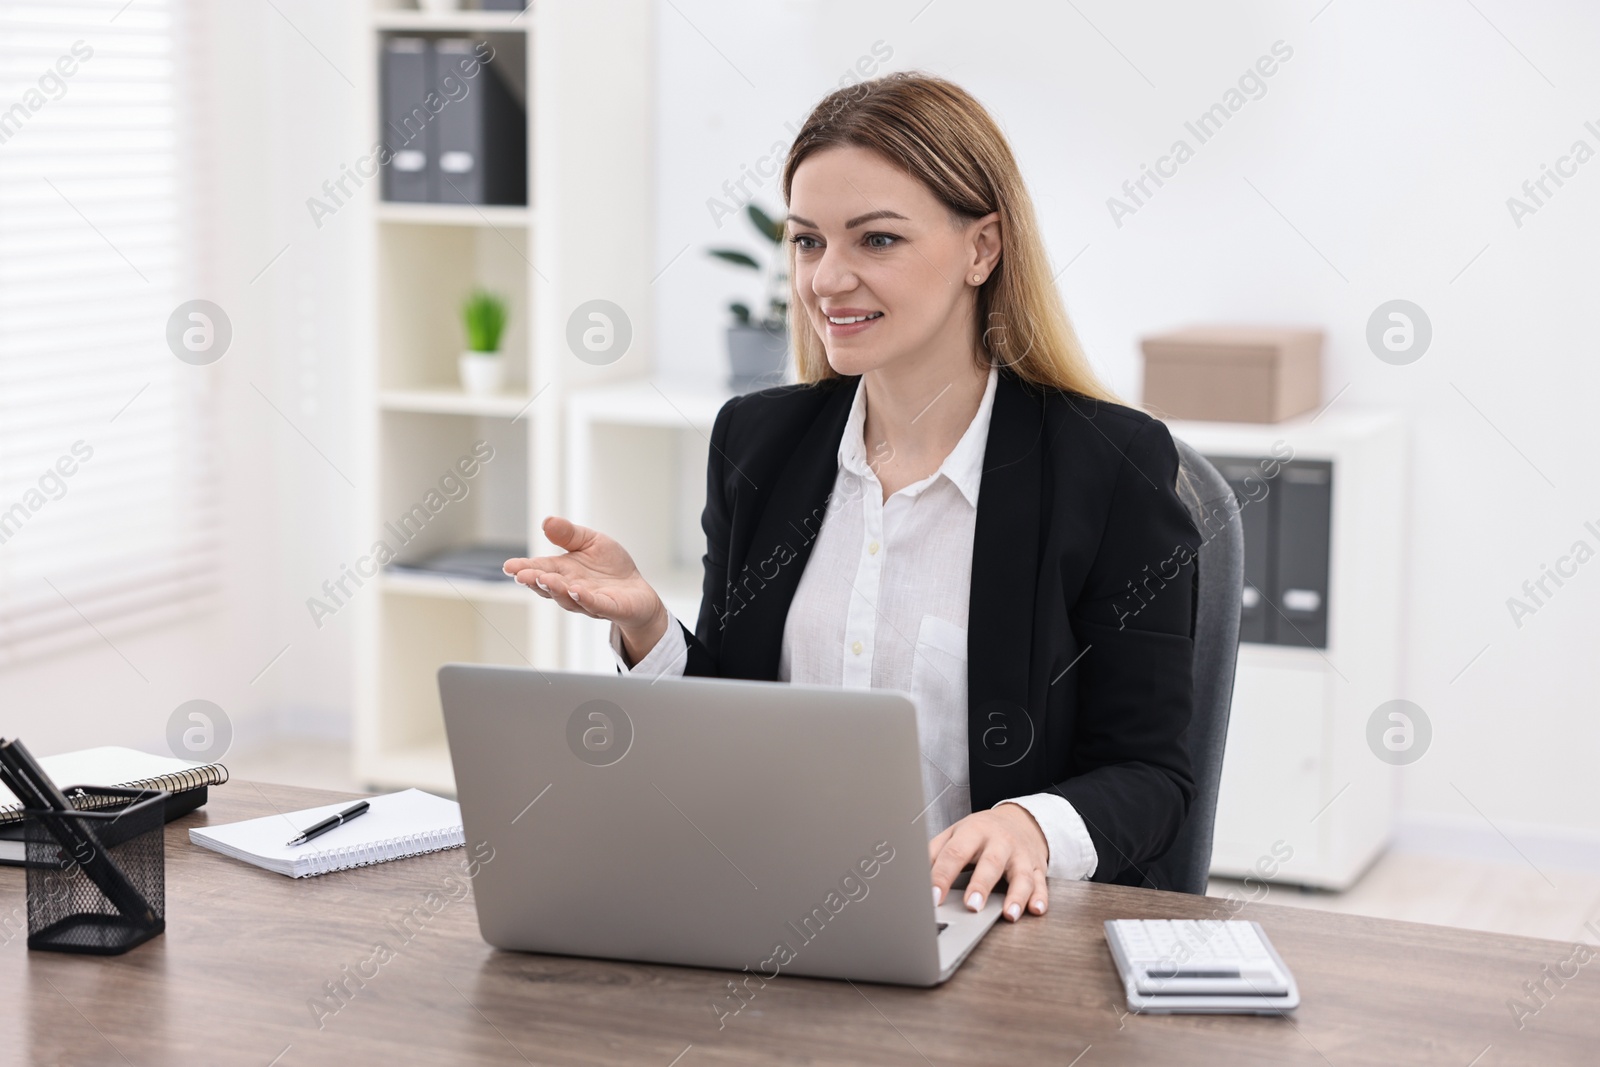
{"points": [[757, 357]]}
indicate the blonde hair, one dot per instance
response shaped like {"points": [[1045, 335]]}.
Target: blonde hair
{"points": [[939, 134]]}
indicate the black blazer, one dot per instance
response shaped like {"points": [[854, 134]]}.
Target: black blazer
{"points": [[1081, 619]]}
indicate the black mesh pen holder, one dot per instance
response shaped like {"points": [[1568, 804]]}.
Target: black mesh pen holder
{"points": [[97, 875]]}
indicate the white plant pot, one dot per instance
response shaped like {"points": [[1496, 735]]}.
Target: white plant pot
{"points": [[482, 373]]}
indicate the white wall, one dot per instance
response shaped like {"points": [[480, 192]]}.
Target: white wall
{"points": [[288, 120], [1390, 141], [272, 124]]}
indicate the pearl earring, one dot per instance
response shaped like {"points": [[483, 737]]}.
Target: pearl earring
{"points": [[977, 277]]}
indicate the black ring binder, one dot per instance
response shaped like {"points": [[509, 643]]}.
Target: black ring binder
{"points": [[177, 782]]}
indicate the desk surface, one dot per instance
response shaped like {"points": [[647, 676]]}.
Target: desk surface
{"points": [[247, 952]]}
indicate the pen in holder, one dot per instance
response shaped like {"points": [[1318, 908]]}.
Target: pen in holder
{"points": [[97, 874]]}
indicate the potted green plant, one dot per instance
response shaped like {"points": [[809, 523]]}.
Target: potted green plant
{"points": [[483, 314], [758, 346]]}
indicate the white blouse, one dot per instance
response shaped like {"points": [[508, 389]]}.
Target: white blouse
{"points": [[882, 603]]}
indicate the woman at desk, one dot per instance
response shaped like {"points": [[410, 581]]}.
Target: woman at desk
{"points": [[949, 503]]}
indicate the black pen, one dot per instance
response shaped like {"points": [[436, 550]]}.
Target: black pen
{"points": [[330, 822]]}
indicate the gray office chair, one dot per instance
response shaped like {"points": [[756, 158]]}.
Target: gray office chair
{"points": [[1186, 866]]}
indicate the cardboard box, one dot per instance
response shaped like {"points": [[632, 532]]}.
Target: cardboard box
{"points": [[1233, 373]]}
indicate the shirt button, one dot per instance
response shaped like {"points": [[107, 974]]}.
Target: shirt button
{"points": [[872, 549], [856, 648]]}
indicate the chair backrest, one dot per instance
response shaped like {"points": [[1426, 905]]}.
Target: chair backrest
{"points": [[1186, 866]]}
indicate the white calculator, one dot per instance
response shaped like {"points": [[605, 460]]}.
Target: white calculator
{"points": [[1200, 965]]}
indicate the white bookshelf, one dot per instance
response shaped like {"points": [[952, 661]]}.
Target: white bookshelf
{"points": [[1297, 768], [583, 235]]}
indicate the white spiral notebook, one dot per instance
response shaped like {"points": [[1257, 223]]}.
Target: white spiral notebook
{"points": [[396, 825]]}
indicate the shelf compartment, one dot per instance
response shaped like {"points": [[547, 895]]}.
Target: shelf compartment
{"points": [[424, 273], [418, 635], [427, 502]]}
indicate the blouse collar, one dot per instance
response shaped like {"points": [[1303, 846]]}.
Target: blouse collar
{"points": [[963, 466]]}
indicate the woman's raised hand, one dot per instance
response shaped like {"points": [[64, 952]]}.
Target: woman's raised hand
{"points": [[595, 576]]}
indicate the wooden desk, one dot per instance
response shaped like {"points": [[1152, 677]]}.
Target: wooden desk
{"points": [[247, 951]]}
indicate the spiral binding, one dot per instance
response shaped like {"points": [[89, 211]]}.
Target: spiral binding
{"points": [[178, 782], [391, 848]]}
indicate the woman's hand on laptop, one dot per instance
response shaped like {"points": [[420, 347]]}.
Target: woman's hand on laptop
{"points": [[1003, 840], [597, 577]]}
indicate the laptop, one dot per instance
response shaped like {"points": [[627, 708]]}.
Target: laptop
{"points": [[706, 822]]}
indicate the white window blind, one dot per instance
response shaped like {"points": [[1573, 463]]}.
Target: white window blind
{"points": [[108, 493]]}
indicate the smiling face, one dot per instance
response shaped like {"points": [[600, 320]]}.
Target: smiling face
{"points": [[872, 241]]}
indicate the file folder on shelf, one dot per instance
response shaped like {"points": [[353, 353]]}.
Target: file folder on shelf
{"points": [[407, 123], [482, 137], [1300, 578], [1287, 520], [455, 130]]}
